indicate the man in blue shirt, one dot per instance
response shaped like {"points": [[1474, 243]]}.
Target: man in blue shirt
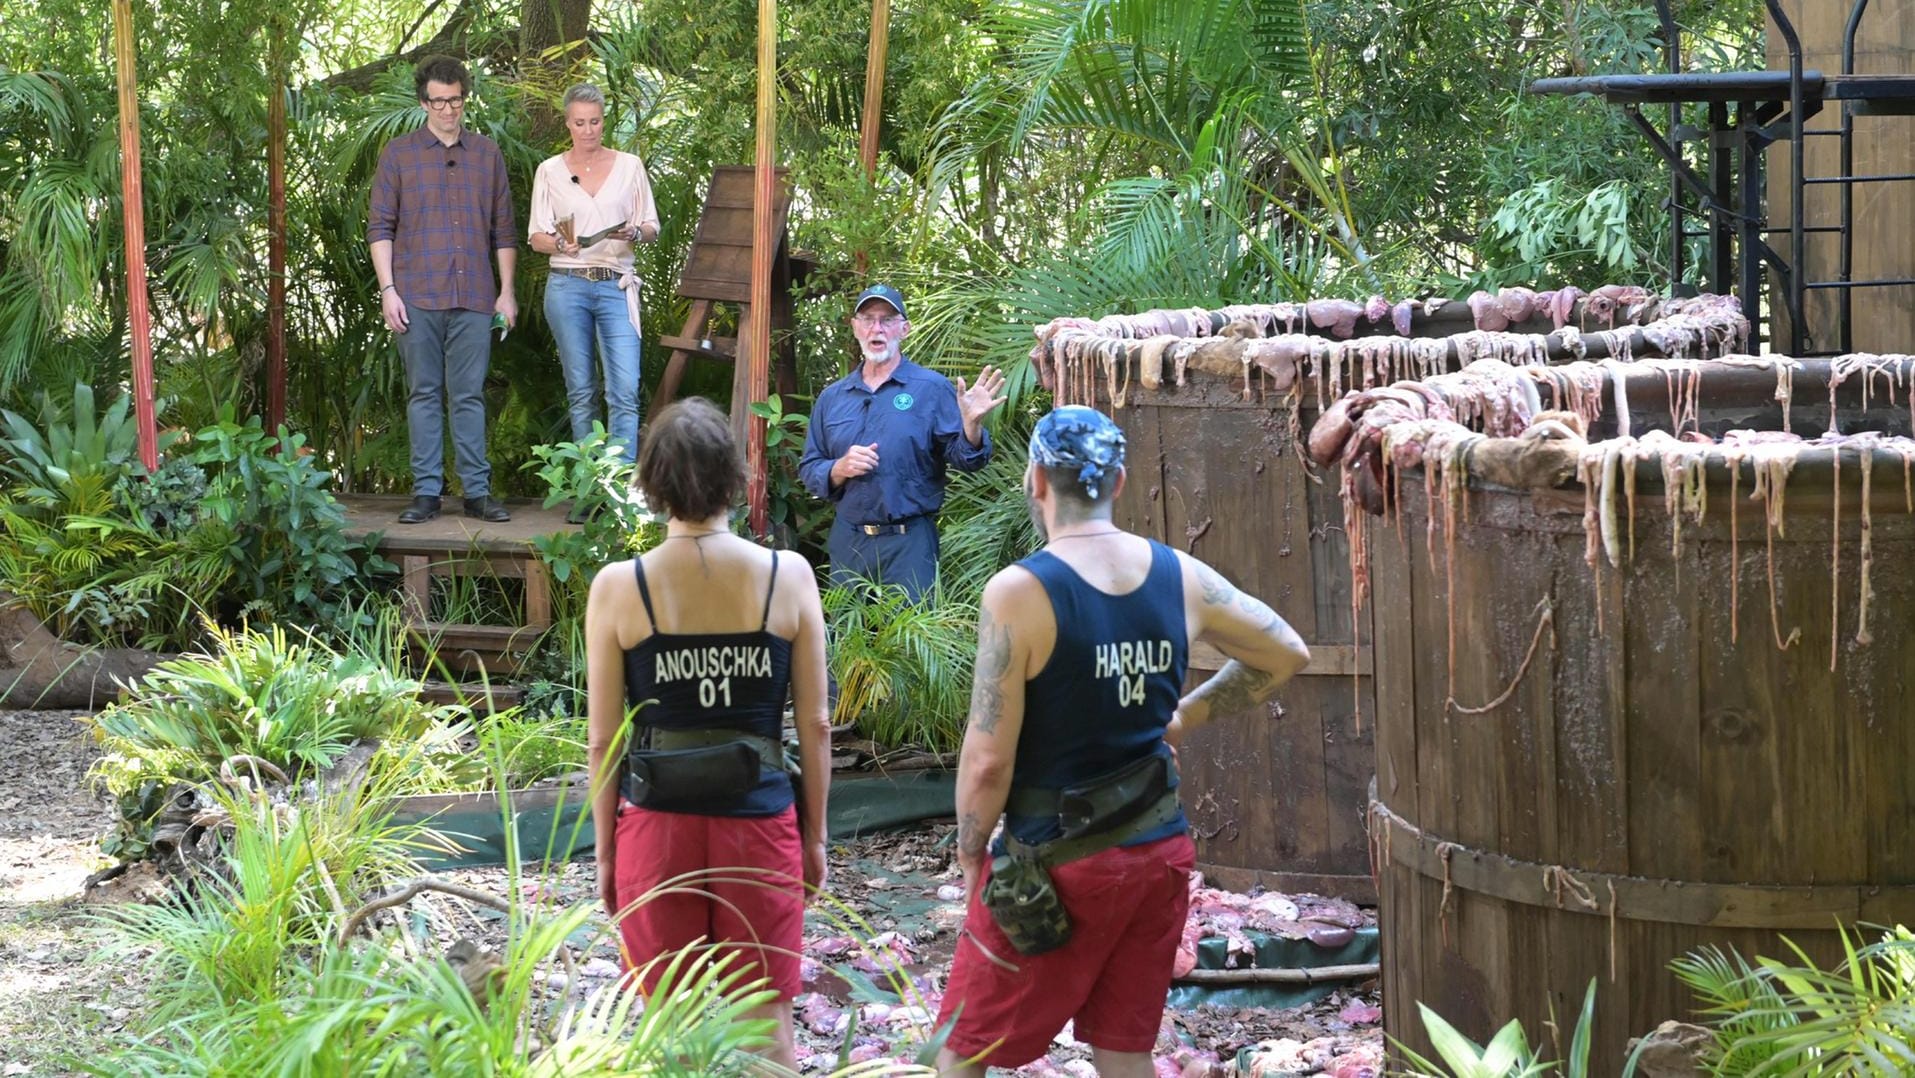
{"points": [[882, 438]]}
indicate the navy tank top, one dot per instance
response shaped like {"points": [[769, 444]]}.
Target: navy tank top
{"points": [[732, 681], [1109, 688]]}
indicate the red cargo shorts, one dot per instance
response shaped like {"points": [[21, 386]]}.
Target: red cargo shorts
{"points": [[1127, 907], [743, 892]]}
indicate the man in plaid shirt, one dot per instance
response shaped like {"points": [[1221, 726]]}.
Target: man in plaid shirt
{"points": [[440, 206]]}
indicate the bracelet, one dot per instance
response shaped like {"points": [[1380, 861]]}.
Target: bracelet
{"points": [[389, 288]]}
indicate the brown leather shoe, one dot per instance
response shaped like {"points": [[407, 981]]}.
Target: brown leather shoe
{"points": [[489, 509], [423, 508]]}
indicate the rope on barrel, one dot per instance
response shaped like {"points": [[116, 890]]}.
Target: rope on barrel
{"points": [[1546, 619], [1612, 931], [1556, 880], [1443, 852]]}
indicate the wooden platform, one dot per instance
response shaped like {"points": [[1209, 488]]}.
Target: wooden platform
{"points": [[452, 545], [452, 530]]}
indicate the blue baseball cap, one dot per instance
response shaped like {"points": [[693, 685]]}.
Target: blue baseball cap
{"points": [[880, 291]]}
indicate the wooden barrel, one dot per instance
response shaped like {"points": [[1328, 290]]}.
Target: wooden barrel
{"points": [[1279, 798], [1586, 773]]}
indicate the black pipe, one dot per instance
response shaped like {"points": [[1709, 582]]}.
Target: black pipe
{"points": [[1672, 57], [1848, 169], [1798, 240]]}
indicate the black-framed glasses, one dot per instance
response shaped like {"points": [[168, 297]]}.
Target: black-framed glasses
{"points": [[440, 104]]}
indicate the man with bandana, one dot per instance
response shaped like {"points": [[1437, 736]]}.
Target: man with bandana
{"points": [[881, 441], [1075, 717]]}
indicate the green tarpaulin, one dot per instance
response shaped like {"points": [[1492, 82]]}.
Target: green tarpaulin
{"points": [[555, 823]]}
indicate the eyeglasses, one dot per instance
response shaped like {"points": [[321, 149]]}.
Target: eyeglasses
{"points": [[877, 319], [440, 104]]}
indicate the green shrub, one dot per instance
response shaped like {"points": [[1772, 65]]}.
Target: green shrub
{"points": [[242, 926], [296, 705], [1507, 1055], [986, 524], [285, 535], [599, 481], [799, 521], [903, 667], [1776, 1018]]}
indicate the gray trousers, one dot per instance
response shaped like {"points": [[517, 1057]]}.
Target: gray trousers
{"points": [[447, 354]]}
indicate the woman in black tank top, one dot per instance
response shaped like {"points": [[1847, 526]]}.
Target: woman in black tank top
{"points": [[693, 647]]}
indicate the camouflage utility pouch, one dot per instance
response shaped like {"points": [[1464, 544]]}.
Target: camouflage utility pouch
{"points": [[1025, 904]]}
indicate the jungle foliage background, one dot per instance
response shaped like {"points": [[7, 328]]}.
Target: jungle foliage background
{"points": [[1038, 158]]}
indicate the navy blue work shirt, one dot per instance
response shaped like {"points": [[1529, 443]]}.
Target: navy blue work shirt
{"points": [[914, 419]]}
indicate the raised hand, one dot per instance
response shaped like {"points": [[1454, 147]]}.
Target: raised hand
{"points": [[976, 401]]}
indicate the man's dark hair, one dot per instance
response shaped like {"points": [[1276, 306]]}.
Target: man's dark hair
{"points": [[690, 465], [1074, 505], [441, 69]]}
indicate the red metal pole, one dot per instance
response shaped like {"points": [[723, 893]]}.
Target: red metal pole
{"points": [[757, 347], [873, 98], [139, 318]]}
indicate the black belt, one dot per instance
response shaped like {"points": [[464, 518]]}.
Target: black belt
{"points": [[590, 273], [897, 527]]}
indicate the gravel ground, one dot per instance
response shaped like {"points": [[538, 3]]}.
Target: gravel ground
{"points": [[60, 1002]]}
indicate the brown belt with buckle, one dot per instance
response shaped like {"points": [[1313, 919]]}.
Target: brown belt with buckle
{"points": [[590, 273]]}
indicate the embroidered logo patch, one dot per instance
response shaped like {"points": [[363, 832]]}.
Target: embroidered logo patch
{"points": [[903, 402]]}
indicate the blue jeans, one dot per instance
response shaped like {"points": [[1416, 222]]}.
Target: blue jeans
{"points": [[583, 313], [446, 355]]}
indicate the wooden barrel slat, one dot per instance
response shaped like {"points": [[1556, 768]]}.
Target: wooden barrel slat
{"points": [[1727, 792]]}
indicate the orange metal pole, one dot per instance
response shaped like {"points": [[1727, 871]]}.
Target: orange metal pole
{"points": [[874, 87], [873, 102], [757, 346], [139, 318]]}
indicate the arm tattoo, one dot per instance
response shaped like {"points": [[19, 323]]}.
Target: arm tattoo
{"points": [[1237, 688], [993, 659], [972, 837], [1217, 591]]}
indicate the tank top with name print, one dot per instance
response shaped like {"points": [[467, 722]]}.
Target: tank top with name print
{"points": [[731, 681], [1108, 689]]}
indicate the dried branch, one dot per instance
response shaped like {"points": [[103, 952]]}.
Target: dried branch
{"points": [[410, 890]]}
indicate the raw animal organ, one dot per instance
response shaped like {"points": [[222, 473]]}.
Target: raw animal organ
{"points": [[1495, 430], [1081, 359]]}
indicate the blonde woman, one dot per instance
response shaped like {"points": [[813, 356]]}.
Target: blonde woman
{"points": [[589, 205]]}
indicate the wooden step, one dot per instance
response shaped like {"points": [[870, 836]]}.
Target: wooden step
{"points": [[481, 696], [468, 648], [720, 348]]}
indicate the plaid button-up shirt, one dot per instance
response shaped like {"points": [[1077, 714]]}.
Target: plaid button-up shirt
{"points": [[445, 209]]}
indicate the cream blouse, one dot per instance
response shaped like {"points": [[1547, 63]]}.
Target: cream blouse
{"points": [[626, 197]]}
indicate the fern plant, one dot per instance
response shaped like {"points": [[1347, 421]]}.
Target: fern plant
{"points": [[261, 693], [903, 667], [986, 523], [1776, 1018]]}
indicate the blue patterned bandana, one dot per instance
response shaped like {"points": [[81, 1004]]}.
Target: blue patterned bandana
{"points": [[1082, 439]]}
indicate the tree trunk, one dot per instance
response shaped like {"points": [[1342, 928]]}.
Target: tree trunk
{"points": [[38, 670], [552, 37], [449, 40]]}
